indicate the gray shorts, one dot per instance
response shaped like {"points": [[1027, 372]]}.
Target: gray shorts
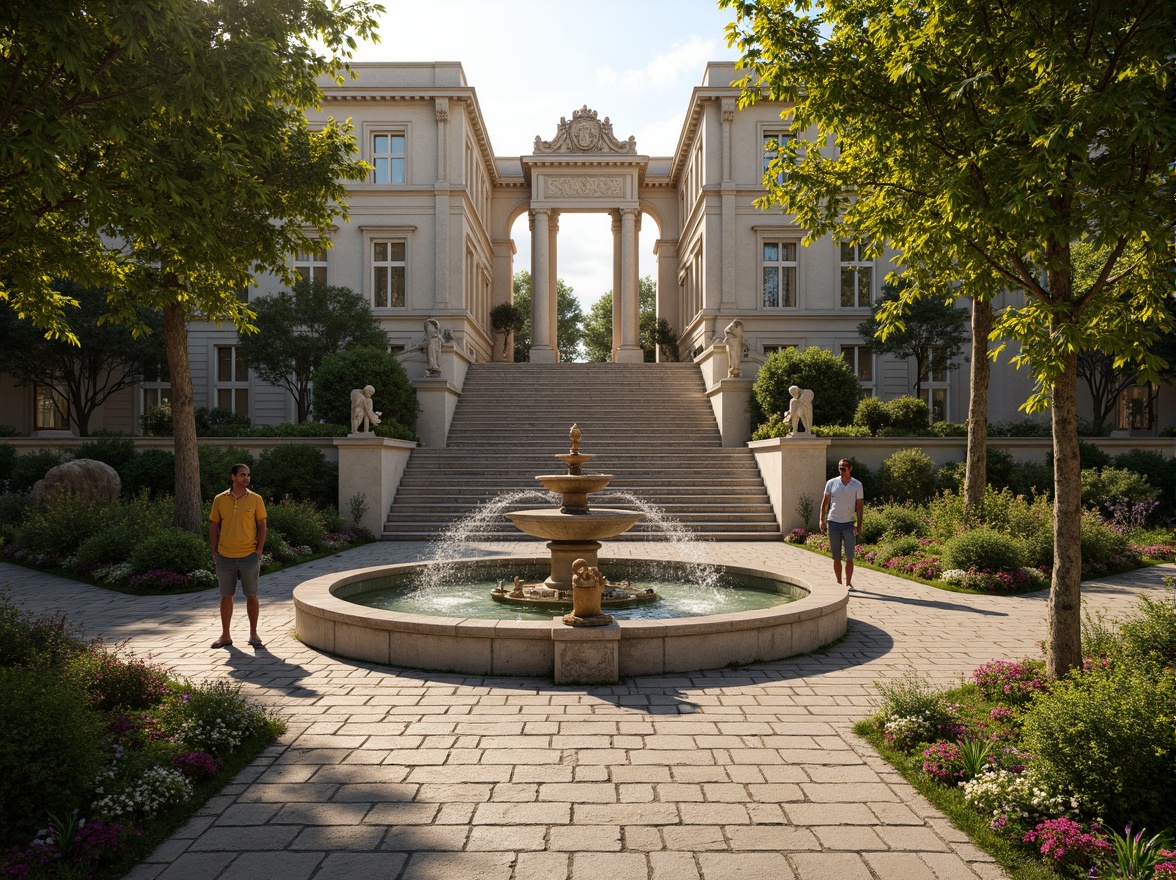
{"points": [[228, 570], [839, 532]]}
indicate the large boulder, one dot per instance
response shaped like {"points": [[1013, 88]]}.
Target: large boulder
{"points": [[93, 480]]}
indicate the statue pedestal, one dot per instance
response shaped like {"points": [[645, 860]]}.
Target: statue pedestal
{"points": [[793, 467], [372, 466], [586, 655], [730, 399], [438, 399]]}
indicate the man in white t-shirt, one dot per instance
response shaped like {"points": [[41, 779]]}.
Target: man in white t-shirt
{"points": [[841, 512]]}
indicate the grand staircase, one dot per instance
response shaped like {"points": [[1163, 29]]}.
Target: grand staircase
{"points": [[650, 425]]}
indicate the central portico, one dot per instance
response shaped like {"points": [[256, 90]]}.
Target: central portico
{"points": [[584, 169]]}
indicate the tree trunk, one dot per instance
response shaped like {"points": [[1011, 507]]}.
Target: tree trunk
{"points": [[1064, 650], [175, 335], [976, 473]]}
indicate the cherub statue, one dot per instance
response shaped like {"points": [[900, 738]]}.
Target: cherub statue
{"points": [[800, 410], [361, 410]]}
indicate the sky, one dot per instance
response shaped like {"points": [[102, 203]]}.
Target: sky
{"points": [[533, 61]]}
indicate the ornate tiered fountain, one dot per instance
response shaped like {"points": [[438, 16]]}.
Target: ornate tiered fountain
{"points": [[573, 532]]}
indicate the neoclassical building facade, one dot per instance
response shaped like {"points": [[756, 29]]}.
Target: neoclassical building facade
{"points": [[430, 237]]}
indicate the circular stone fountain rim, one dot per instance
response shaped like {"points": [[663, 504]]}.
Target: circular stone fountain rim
{"points": [[321, 595]]}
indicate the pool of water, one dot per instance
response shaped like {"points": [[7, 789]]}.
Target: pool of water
{"points": [[461, 597]]}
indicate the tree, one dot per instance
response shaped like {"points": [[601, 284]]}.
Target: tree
{"points": [[836, 389], [297, 328], [107, 359], [598, 325], [340, 373], [931, 331], [981, 141], [568, 316], [507, 319], [210, 175]]}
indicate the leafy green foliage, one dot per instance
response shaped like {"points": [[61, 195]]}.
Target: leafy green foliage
{"points": [[299, 472], [1159, 471], [7, 461], [982, 548], [1113, 484], [32, 466], [298, 522], [108, 546], [299, 327], [568, 318], [835, 387], [908, 414], [907, 475], [338, 374], [152, 471], [171, 549], [902, 519], [110, 448], [216, 466], [113, 681], [1107, 734], [1100, 543], [51, 748], [37, 641], [1149, 636], [59, 527], [507, 318], [872, 414], [929, 330]]}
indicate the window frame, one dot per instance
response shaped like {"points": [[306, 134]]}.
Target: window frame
{"points": [[856, 352], [781, 136], [782, 242], [237, 387], [389, 156], [934, 384], [310, 265], [855, 263], [371, 236], [46, 397]]}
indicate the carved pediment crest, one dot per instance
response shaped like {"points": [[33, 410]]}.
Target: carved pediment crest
{"points": [[585, 134]]}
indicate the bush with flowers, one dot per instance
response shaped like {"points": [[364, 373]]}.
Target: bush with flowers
{"points": [[102, 752], [1045, 770]]}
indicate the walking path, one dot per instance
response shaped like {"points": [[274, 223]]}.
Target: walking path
{"points": [[735, 773]]}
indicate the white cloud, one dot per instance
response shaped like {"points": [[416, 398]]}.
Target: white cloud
{"points": [[685, 61]]}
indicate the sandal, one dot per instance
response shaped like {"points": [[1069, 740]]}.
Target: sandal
{"points": [[256, 642], [222, 643]]}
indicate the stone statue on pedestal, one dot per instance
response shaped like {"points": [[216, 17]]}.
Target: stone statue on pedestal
{"points": [[733, 337], [361, 410], [433, 347], [800, 410]]}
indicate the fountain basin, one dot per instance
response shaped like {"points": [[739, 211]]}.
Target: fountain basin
{"points": [[554, 525], [325, 620]]}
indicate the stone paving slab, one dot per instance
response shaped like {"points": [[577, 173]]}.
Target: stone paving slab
{"points": [[736, 773]]}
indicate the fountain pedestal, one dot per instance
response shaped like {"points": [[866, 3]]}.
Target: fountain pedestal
{"points": [[574, 532]]}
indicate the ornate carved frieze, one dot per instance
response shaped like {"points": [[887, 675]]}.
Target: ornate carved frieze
{"points": [[582, 186], [728, 108], [585, 134], [441, 105]]}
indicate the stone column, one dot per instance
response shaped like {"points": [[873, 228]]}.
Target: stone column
{"points": [[553, 281], [542, 350], [616, 287], [630, 351]]}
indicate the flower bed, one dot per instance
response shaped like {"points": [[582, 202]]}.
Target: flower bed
{"points": [[1070, 778], [102, 754]]}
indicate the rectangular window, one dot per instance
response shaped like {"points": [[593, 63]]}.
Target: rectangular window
{"points": [[934, 381], [857, 277], [388, 158], [779, 264], [52, 410], [156, 397], [1135, 409], [773, 141], [388, 265], [232, 380], [936, 400], [311, 265], [861, 360]]}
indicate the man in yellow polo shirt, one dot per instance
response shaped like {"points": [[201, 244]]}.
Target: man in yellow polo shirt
{"points": [[236, 532]]}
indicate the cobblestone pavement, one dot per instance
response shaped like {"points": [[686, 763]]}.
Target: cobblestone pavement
{"points": [[737, 773]]}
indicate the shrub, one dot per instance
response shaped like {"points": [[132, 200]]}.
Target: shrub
{"points": [[873, 525], [950, 477], [775, 426], [948, 429], [213, 718], [1100, 543], [299, 429], [912, 711], [157, 421], [152, 471], [1159, 471], [300, 472], [998, 466], [982, 548], [836, 390], [909, 414], [112, 544], [1107, 734], [7, 461], [26, 640], [1021, 428], [216, 465], [109, 447], [51, 748], [33, 466], [59, 526], [13, 508], [872, 415], [1111, 484], [907, 475], [1089, 455], [171, 549], [218, 422], [298, 522], [340, 373], [1150, 636], [113, 682], [894, 546], [1004, 681], [1028, 477]]}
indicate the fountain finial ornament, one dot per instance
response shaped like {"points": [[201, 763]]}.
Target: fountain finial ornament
{"points": [[575, 433]]}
